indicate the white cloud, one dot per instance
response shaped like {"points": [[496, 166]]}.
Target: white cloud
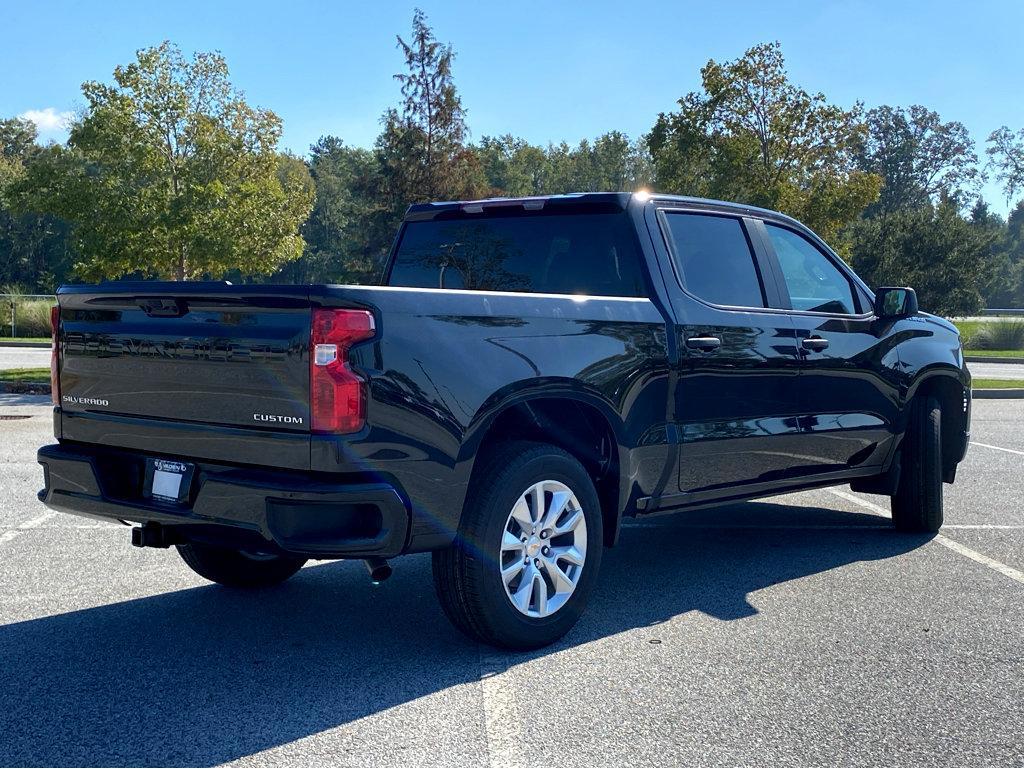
{"points": [[49, 121]]}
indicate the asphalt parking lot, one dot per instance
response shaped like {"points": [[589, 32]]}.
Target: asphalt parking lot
{"points": [[798, 630]]}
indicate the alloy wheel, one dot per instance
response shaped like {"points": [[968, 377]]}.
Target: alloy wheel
{"points": [[543, 549]]}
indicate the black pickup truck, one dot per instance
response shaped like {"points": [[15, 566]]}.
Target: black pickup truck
{"points": [[529, 372]]}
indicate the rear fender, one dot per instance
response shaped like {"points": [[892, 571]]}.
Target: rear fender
{"points": [[543, 391]]}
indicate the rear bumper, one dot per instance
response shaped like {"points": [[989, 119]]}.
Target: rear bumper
{"points": [[298, 513]]}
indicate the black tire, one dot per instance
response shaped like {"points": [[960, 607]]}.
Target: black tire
{"points": [[467, 575], [917, 503], [238, 568]]}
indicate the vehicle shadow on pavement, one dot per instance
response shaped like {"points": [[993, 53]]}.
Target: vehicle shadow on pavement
{"points": [[208, 675]]}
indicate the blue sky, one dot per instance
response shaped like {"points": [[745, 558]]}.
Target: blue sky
{"points": [[546, 71]]}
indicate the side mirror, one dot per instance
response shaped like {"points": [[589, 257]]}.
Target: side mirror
{"points": [[893, 303]]}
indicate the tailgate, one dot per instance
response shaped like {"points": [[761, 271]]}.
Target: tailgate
{"points": [[209, 354]]}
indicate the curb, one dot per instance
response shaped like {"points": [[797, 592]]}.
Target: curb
{"points": [[992, 359], [25, 388], [33, 345], [1007, 393]]}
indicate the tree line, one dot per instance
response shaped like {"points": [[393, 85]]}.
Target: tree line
{"points": [[170, 173]]}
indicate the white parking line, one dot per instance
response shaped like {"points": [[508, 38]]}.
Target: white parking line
{"points": [[997, 448], [1002, 568], [502, 719], [109, 526], [804, 526], [946, 542], [755, 526], [21, 528], [862, 502]]}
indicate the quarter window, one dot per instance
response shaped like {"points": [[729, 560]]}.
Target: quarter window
{"points": [[815, 284], [715, 260]]}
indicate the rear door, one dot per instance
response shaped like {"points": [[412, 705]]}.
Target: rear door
{"points": [[848, 388], [736, 402]]}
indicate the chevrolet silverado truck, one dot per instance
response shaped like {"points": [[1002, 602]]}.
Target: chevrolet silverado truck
{"points": [[529, 372]]}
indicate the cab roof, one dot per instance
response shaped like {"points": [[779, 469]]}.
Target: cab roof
{"points": [[578, 202]]}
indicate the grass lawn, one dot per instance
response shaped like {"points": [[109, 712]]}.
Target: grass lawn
{"points": [[995, 353], [29, 375], [968, 328], [43, 339], [997, 384]]}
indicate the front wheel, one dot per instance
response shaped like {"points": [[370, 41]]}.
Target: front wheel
{"points": [[238, 568], [917, 503], [528, 552]]}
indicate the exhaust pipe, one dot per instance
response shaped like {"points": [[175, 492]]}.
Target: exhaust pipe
{"points": [[379, 569]]}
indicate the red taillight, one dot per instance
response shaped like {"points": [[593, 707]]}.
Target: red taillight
{"points": [[54, 342], [337, 401]]}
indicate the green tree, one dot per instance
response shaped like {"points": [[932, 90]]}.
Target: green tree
{"points": [[611, 162], [1007, 289], [751, 135], [35, 250], [1006, 156], [17, 140], [348, 232], [171, 173], [562, 171], [1015, 249], [1001, 272], [932, 248], [512, 166], [422, 148], [918, 157]]}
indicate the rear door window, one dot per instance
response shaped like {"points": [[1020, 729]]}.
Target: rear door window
{"points": [[587, 254], [715, 260]]}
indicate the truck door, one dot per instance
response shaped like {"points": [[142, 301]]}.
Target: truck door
{"points": [[849, 395], [736, 402]]}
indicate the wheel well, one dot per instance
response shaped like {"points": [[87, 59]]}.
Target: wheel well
{"points": [[949, 392], [576, 427]]}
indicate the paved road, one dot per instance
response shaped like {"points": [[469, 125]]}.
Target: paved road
{"points": [[997, 370], [796, 630], [23, 357]]}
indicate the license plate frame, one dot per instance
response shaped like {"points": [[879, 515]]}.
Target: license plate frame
{"points": [[168, 480]]}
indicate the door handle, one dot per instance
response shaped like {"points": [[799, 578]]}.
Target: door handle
{"points": [[704, 343], [814, 344]]}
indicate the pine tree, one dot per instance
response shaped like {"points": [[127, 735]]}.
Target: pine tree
{"points": [[422, 148]]}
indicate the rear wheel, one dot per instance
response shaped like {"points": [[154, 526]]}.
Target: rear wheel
{"points": [[527, 556], [917, 503], [239, 568]]}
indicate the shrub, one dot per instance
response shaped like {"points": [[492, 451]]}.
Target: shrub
{"points": [[31, 317], [1003, 334]]}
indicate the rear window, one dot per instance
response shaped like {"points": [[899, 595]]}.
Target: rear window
{"points": [[591, 254], [715, 259]]}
